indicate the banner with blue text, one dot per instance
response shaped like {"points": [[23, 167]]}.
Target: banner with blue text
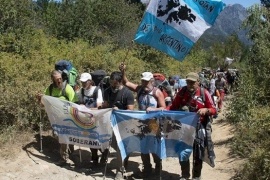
{"points": [[78, 125]]}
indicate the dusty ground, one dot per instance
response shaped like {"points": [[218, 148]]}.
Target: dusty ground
{"points": [[30, 163]]}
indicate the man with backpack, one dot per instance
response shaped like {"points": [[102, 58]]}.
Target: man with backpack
{"points": [[221, 85], [68, 71], [118, 96], [194, 98], [91, 97], [61, 89], [163, 84], [149, 98]]}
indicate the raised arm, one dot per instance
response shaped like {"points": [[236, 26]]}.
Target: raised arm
{"points": [[125, 81]]}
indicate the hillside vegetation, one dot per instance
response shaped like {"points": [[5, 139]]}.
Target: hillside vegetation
{"points": [[98, 34]]}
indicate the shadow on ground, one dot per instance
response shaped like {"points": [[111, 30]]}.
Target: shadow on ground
{"points": [[49, 151]]}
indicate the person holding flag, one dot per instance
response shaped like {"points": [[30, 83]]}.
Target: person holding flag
{"points": [[194, 98], [149, 98], [117, 97]]}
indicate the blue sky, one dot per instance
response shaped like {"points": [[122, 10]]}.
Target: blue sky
{"points": [[245, 3]]}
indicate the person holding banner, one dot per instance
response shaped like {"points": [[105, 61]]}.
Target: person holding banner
{"points": [[118, 96], [62, 90], [194, 98], [91, 97], [149, 98]]}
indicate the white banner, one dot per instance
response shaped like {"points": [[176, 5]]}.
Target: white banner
{"points": [[78, 125]]}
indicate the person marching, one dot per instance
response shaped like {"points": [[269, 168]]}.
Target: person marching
{"points": [[91, 97], [194, 98], [62, 90], [221, 85], [149, 98], [118, 96]]}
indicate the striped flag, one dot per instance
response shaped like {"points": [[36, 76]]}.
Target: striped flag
{"points": [[174, 26], [78, 125], [165, 133]]}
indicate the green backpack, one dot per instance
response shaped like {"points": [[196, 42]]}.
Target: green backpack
{"points": [[69, 72]]}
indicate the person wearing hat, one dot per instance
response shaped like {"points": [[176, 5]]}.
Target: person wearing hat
{"points": [[91, 97], [149, 98], [193, 98]]}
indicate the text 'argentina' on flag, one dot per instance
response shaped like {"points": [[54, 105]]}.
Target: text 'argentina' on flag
{"points": [[174, 26]]}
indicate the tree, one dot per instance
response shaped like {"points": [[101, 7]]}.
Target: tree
{"points": [[265, 3]]}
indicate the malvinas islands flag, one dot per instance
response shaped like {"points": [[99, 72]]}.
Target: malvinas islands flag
{"points": [[165, 133], [78, 125], [174, 26]]}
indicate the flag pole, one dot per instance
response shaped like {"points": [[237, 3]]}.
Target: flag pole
{"points": [[107, 156], [80, 153], [40, 130], [129, 47]]}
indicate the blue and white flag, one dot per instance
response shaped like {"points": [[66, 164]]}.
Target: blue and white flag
{"points": [[78, 125], [165, 133], [174, 26]]}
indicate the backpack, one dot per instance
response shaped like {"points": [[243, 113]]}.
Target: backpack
{"points": [[97, 76], [205, 83], [69, 72], [162, 83], [101, 80]]}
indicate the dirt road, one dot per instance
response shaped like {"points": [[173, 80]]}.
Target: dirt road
{"points": [[29, 163]]}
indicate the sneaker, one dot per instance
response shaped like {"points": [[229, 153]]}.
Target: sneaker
{"points": [[196, 178], [182, 178], [63, 162], [119, 175]]}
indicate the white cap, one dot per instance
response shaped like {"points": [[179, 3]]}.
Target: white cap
{"points": [[85, 77], [147, 76]]}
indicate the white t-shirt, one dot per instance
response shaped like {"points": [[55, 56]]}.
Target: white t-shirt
{"points": [[89, 100]]}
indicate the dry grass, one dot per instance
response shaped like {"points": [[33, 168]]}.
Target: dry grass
{"points": [[12, 142]]}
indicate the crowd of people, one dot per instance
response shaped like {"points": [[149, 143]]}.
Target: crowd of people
{"points": [[201, 92]]}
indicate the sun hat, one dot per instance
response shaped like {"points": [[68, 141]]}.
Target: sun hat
{"points": [[147, 76], [192, 76], [85, 77]]}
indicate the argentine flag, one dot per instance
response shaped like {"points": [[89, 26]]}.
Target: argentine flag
{"points": [[174, 26], [165, 133]]}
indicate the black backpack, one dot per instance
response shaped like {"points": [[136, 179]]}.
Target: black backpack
{"points": [[101, 80]]}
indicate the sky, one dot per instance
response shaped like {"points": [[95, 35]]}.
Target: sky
{"points": [[245, 3]]}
